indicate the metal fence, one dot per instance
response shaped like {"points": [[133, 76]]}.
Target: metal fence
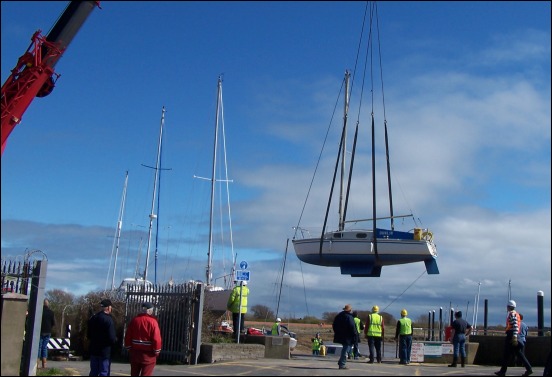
{"points": [[178, 311], [16, 275]]}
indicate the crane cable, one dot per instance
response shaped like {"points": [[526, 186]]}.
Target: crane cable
{"points": [[399, 296]]}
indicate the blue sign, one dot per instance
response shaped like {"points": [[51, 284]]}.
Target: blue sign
{"points": [[243, 265], [242, 275]]}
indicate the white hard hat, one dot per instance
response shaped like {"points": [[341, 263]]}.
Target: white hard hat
{"points": [[512, 303], [278, 320], [245, 282]]}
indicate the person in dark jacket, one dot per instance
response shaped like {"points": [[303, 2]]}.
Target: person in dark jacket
{"points": [[345, 333], [102, 336], [48, 322]]}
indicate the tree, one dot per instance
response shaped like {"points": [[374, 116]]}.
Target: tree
{"points": [[262, 312], [329, 316]]}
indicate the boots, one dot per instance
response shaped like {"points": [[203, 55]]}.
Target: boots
{"points": [[454, 361], [44, 362], [463, 361]]}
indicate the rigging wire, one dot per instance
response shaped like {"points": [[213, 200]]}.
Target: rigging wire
{"points": [[403, 292]]}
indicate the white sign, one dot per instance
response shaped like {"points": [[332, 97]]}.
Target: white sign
{"points": [[417, 352], [448, 348], [433, 349], [242, 275]]}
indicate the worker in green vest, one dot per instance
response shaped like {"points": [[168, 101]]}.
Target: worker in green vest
{"points": [[404, 335], [316, 344], [237, 304], [374, 330], [359, 327]]}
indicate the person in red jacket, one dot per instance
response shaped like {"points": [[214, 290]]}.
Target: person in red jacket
{"points": [[143, 341]]}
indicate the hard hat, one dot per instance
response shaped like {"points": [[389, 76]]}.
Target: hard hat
{"points": [[404, 312], [245, 282], [278, 320], [512, 303], [375, 308]]}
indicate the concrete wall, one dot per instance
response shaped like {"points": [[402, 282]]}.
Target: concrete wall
{"points": [[491, 349], [215, 352], [250, 347], [471, 352], [14, 310]]}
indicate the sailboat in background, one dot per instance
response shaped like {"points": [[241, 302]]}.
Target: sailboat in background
{"points": [[217, 296], [363, 252], [142, 279]]}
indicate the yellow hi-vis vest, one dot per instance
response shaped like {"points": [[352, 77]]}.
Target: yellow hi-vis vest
{"points": [[316, 344], [375, 325], [276, 328], [233, 303], [357, 324], [405, 326]]}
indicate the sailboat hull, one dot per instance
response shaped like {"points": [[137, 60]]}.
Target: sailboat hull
{"points": [[356, 255]]}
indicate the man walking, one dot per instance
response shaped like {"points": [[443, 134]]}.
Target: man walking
{"points": [[143, 341], [511, 344], [403, 334], [101, 334], [344, 333]]}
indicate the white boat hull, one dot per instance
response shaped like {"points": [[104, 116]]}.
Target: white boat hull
{"points": [[355, 253]]}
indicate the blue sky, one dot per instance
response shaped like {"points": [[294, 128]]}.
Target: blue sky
{"points": [[467, 90]]}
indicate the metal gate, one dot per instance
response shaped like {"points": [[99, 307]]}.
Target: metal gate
{"points": [[178, 309]]}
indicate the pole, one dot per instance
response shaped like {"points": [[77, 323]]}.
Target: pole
{"points": [[239, 314], [433, 325], [429, 326], [485, 316], [441, 324], [540, 312]]}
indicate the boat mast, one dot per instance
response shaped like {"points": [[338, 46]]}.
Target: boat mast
{"points": [[152, 215], [118, 231], [209, 272], [344, 152]]}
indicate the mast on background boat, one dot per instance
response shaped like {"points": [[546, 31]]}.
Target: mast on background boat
{"points": [[219, 115], [152, 215], [115, 249]]}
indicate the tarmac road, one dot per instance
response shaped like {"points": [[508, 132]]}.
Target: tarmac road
{"points": [[300, 365]]}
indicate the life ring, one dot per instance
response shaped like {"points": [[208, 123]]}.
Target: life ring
{"points": [[428, 236]]}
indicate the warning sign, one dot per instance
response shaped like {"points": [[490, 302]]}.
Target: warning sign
{"points": [[417, 353]]}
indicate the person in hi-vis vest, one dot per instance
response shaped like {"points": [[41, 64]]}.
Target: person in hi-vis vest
{"points": [[233, 305]]}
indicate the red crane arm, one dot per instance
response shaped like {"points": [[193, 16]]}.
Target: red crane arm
{"points": [[33, 76]]}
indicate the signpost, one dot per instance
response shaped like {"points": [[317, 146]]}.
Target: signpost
{"points": [[241, 276]]}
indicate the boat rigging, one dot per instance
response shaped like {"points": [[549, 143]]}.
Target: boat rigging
{"points": [[363, 252]]}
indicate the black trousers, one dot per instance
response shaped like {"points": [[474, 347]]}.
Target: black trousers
{"points": [[509, 352], [236, 321]]}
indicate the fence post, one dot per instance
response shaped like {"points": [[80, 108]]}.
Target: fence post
{"points": [[199, 297], [32, 335]]}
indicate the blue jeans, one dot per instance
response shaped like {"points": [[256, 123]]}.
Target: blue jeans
{"points": [[344, 352], [100, 366], [459, 344], [43, 346], [405, 346]]}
